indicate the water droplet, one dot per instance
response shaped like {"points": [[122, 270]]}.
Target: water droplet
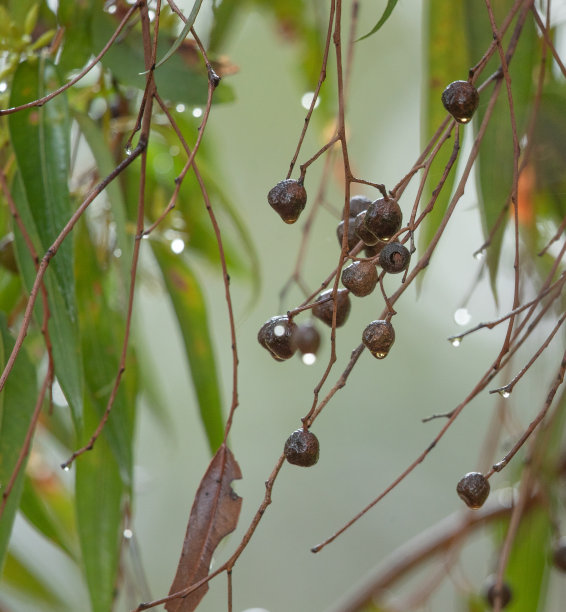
{"points": [[309, 358], [178, 245], [117, 253], [479, 255], [66, 468], [504, 393], [279, 331], [306, 100], [456, 341], [3, 86], [180, 108], [128, 150], [128, 534], [197, 112], [380, 355], [462, 316], [111, 9]]}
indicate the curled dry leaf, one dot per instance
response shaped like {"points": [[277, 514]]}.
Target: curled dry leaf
{"points": [[214, 514]]}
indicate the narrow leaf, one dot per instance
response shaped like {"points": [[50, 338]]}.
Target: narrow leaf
{"points": [[386, 14], [179, 40], [18, 406], [190, 309], [214, 515], [40, 137], [63, 331], [99, 494], [447, 61], [102, 332], [182, 79], [496, 153]]}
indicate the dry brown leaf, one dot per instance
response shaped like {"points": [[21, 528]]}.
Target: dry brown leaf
{"points": [[214, 514]]}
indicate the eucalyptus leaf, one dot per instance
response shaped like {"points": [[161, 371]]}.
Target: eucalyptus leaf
{"points": [[191, 312], [19, 398], [99, 495], [40, 138]]}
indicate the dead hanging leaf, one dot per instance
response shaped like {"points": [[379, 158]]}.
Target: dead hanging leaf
{"points": [[214, 514]]}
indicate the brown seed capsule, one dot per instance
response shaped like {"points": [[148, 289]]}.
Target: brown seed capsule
{"points": [[288, 199], [353, 238], [473, 488], [324, 307], [306, 338], [362, 232], [559, 554], [302, 448], [358, 203], [383, 218], [379, 337], [360, 277], [490, 590], [394, 258], [374, 249], [276, 335], [461, 99]]}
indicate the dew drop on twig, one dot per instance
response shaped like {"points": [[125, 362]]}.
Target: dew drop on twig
{"points": [[504, 393], [456, 341], [479, 255]]}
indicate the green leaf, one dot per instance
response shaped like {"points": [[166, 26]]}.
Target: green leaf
{"points": [[40, 137], [190, 309], [182, 79], [105, 165], [184, 32], [77, 45], [386, 14], [528, 568], [496, 154], [447, 61], [102, 333], [99, 496], [19, 398]]}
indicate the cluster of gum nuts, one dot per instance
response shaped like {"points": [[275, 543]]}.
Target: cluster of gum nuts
{"points": [[375, 224]]}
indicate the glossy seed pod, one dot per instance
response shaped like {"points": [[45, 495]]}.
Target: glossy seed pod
{"points": [[302, 448], [276, 335], [374, 249], [288, 198], [461, 99], [358, 203], [378, 337], [394, 258], [360, 277], [306, 338], [362, 232], [324, 307], [473, 488], [491, 591], [383, 218], [353, 238]]}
